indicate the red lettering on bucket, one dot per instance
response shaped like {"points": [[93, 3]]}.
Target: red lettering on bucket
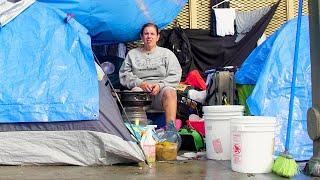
{"points": [[236, 159], [217, 146], [236, 149], [236, 138]]}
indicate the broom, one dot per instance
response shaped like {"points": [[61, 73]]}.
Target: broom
{"points": [[285, 165]]}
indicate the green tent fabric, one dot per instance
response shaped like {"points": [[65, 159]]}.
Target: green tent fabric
{"points": [[244, 91]]}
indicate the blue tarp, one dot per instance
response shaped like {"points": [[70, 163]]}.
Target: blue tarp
{"points": [[47, 70], [270, 66], [112, 21], [251, 68]]}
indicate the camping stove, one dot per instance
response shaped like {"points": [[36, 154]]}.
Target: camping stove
{"points": [[136, 115], [135, 105]]}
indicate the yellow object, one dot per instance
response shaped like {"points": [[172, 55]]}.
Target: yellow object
{"points": [[136, 121], [166, 151], [181, 87], [150, 153], [100, 72]]}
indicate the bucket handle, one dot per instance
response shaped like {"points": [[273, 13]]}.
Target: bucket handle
{"points": [[249, 128]]}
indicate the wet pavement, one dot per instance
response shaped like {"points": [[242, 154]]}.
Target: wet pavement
{"points": [[196, 169]]}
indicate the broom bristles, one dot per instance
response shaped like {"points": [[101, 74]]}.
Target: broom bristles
{"points": [[285, 166]]}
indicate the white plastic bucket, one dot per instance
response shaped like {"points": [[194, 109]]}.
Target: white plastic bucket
{"points": [[252, 141], [222, 108], [217, 129], [240, 113], [218, 138]]}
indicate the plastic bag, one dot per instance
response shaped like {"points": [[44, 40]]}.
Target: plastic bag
{"points": [[170, 134]]}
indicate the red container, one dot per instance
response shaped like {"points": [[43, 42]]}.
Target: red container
{"points": [[197, 125]]}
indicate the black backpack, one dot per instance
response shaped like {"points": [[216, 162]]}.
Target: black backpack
{"points": [[177, 41]]}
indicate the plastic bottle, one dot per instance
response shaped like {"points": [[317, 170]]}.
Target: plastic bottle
{"points": [[149, 144], [172, 134]]}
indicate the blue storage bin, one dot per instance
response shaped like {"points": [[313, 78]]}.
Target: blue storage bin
{"points": [[157, 117]]}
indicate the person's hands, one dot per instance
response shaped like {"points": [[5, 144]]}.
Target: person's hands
{"points": [[155, 89], [146, 86]]}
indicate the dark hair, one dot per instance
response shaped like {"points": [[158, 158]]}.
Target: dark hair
{"points": [[149, 25]]}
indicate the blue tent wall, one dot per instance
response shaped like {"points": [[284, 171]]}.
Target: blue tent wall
{"points": [[47, 70], [112, 21], [270, 67]]}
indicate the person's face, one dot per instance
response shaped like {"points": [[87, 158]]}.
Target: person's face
{"points": [[150, 37]]}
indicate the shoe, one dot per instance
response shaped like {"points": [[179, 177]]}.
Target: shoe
{"points": [[172, 134]]}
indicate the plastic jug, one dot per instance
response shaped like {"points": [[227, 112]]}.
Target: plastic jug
{"points": [[149, 144]]}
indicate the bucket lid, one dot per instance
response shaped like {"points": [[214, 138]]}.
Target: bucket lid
{"points": [[220, 118], [224, 114], [222, 108], [253, 120]]}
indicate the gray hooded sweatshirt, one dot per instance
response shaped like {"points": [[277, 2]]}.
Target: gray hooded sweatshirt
{"points": [[159, 66]]}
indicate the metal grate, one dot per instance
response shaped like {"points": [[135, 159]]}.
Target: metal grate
{"points": [[203, 10], [133, 44], [305, 10], [203, 14], [183, 18], [279, 18]]}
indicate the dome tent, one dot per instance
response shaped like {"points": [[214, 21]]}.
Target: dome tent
{"points": [[53, 108]]}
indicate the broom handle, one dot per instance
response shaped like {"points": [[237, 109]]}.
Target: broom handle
{"points": [[294, 76]]}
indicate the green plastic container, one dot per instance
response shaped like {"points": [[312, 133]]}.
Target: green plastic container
{"points": [[191, 139]]}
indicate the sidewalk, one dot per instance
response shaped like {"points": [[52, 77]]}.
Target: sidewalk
{"points": [[184, 170]]}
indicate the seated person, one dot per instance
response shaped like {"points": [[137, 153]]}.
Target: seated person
{"points": [[153, 69]]}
